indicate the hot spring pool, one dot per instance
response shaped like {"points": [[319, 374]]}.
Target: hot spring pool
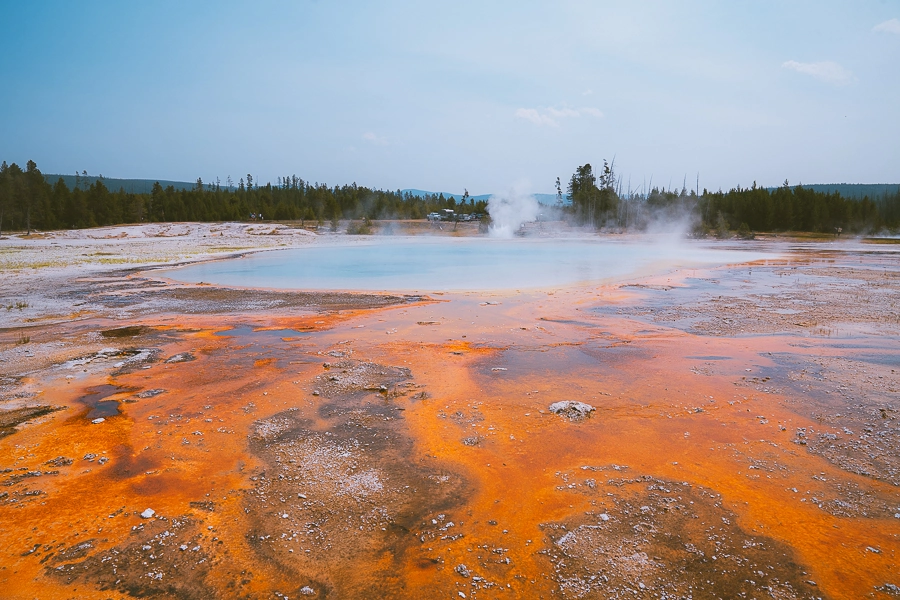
{"points": [[459, 264]]}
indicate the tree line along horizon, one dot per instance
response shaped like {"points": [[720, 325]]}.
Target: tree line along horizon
{"points": [[28, 201]]}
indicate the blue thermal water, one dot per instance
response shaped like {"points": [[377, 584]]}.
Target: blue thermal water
{"points": [[458, 264]]}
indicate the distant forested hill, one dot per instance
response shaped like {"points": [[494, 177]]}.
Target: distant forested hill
{"points": [[541, 198], [145, 186], [853, 190], [132, 186], [425, 194]]}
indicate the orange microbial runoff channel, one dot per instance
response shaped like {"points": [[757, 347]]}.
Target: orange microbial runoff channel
{"points": [[725, 433]]}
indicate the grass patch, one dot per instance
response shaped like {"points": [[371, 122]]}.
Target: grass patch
{"points": [[48, 263]]}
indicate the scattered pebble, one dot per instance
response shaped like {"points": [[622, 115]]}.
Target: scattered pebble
{"points": [[572, 409]]}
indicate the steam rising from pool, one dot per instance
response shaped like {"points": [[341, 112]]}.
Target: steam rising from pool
{"points": [[458, 264], [508, 211]]}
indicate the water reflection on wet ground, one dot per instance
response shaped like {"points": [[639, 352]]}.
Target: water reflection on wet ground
{"points": [[744, 442]]}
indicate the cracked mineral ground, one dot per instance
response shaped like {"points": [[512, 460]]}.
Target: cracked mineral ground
{"points": [[163, 440]]}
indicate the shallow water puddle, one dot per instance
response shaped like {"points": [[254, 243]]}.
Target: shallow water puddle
{"points": [[97, 400]]}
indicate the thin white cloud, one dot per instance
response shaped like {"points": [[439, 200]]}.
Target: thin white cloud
{"points": [[827, 71], [891, 26], [374, 139], [552, 116], [587, 92], [531, 114], [561, 113]]}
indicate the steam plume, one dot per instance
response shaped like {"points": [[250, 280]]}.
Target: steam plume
{"points": [[508, 211]]}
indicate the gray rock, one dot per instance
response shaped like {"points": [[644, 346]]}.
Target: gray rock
{"points": [[181, 357], [463, 570], [572, 409], [147, 514]]}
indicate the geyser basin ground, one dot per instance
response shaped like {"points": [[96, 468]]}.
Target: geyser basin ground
{"points": [[464, 264], [745, 441]]}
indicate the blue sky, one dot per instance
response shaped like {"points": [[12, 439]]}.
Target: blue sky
{"points": [[453, 95]]}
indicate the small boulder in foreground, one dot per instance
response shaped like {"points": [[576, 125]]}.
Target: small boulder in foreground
{"points": [[572, 409]]}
